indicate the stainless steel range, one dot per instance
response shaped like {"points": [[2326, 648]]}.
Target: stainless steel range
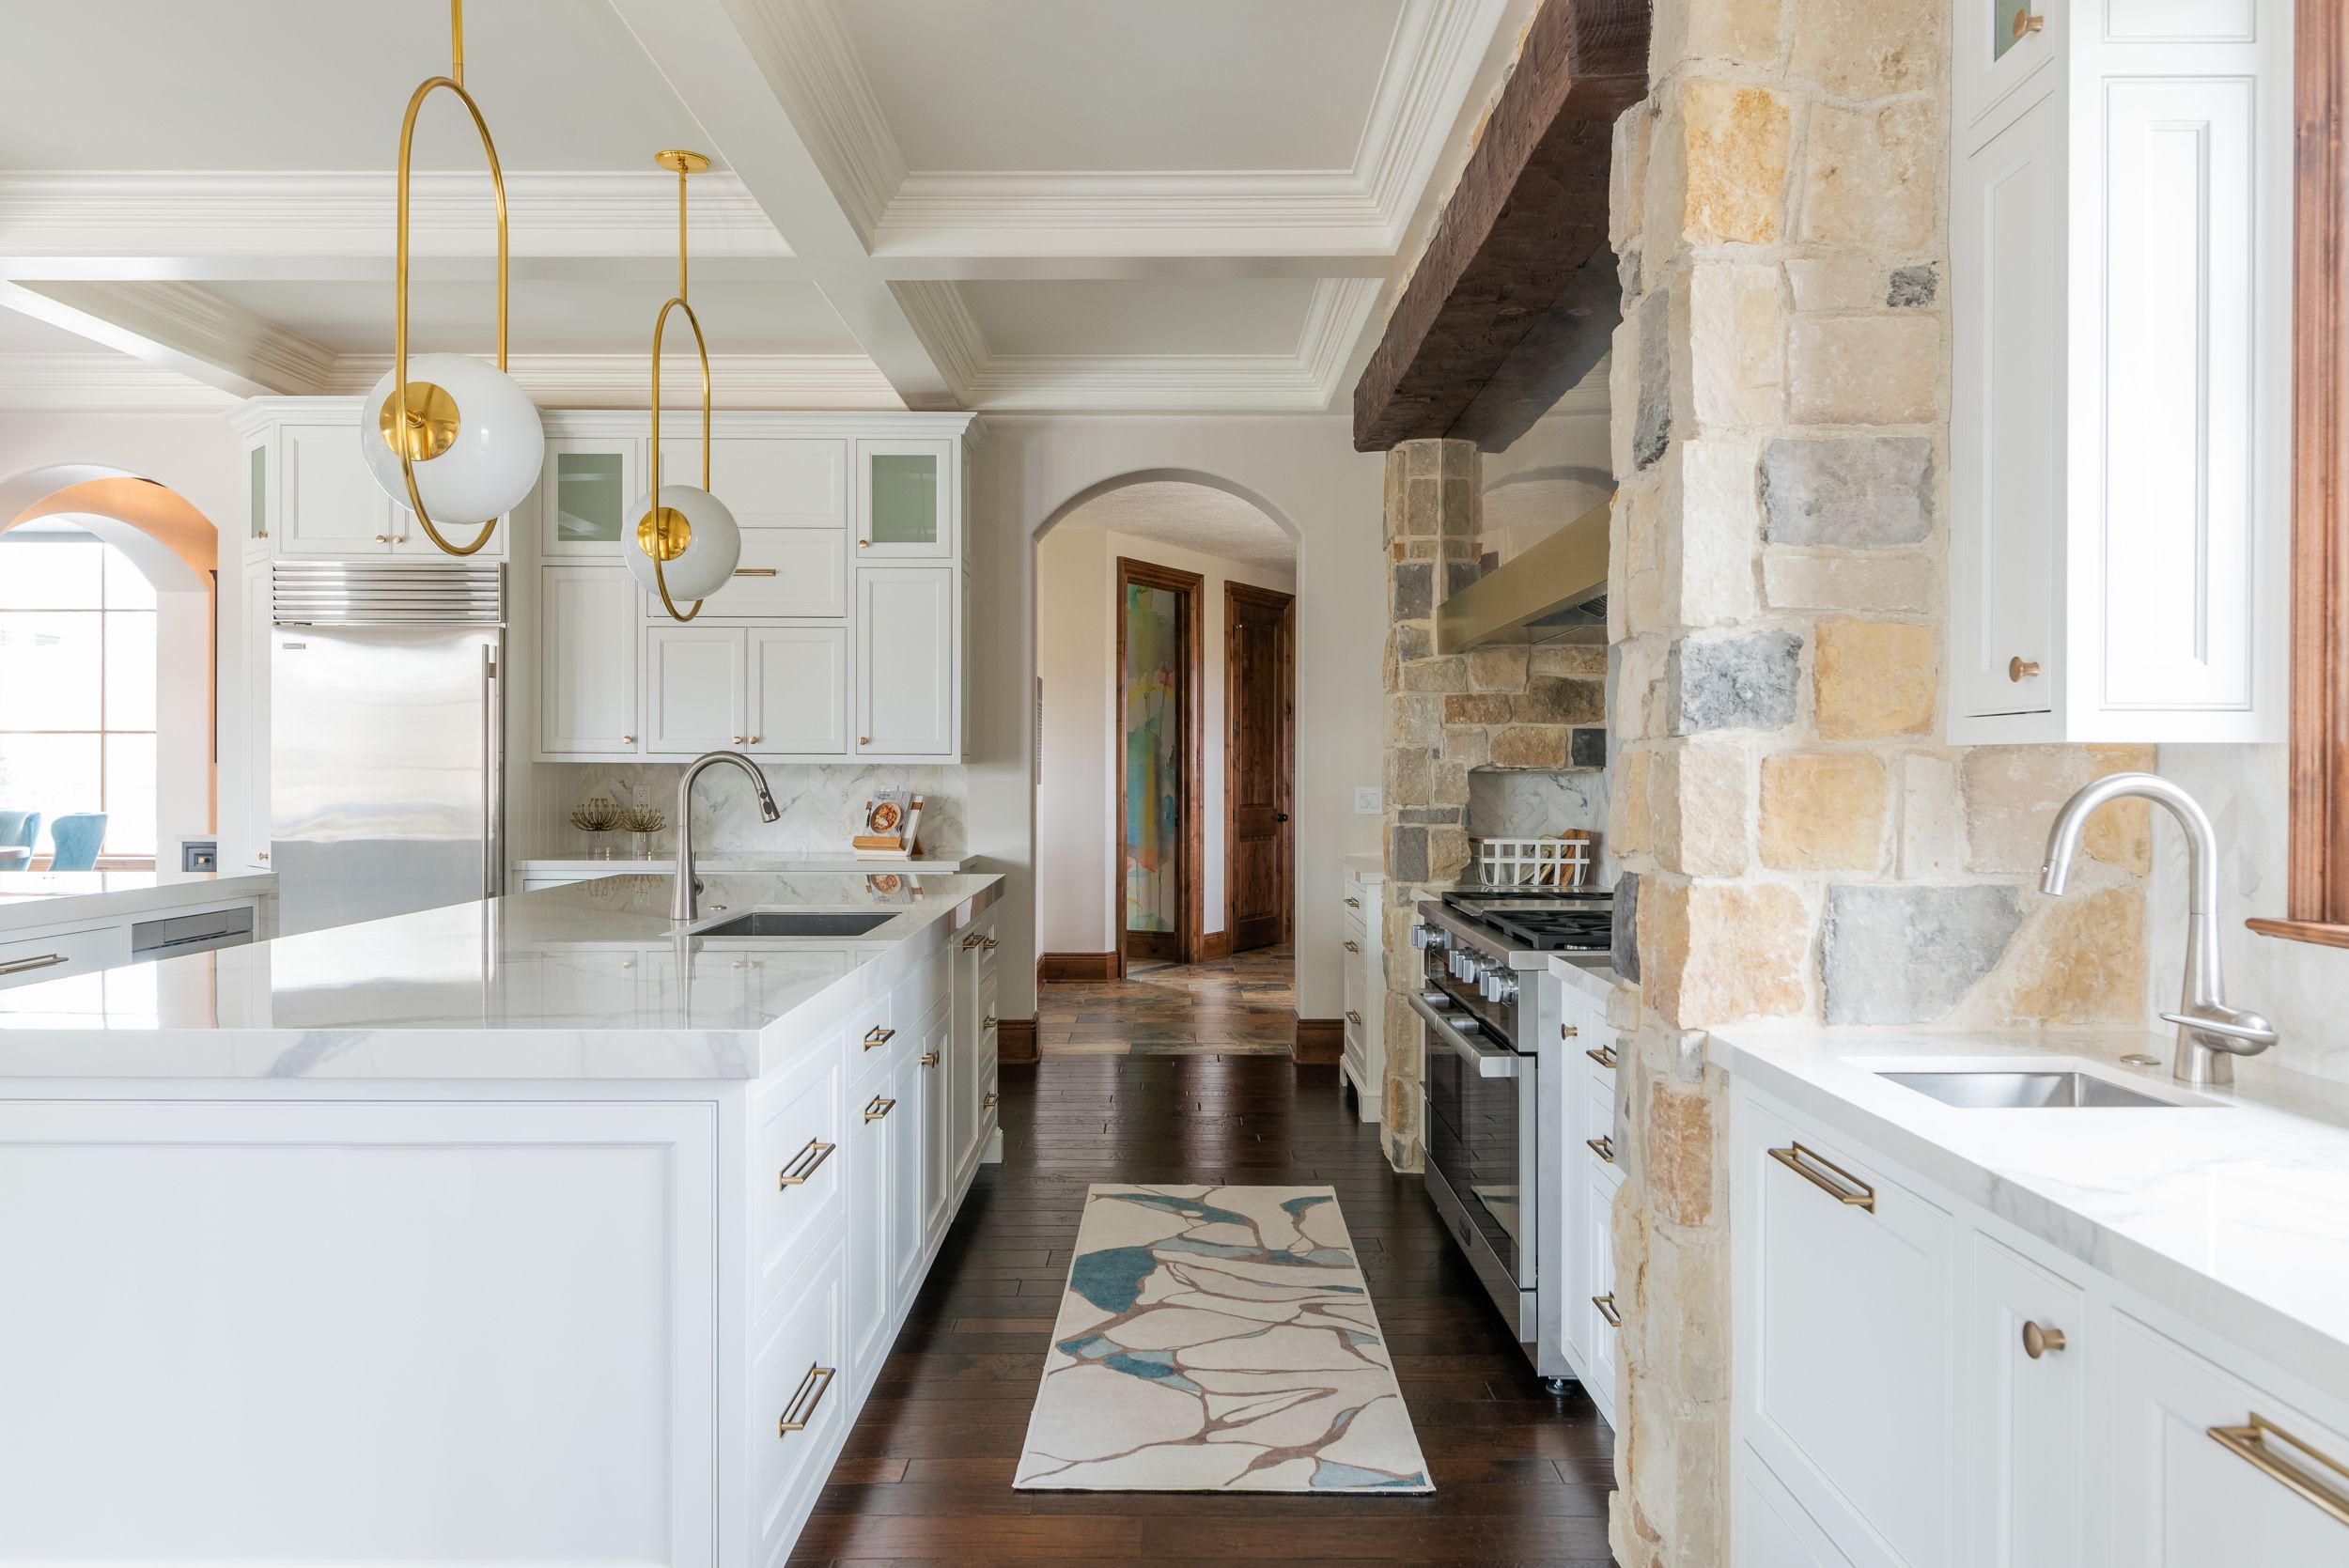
{"points": [[1495, 1089]]}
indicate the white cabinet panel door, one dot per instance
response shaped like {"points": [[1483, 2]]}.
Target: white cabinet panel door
{"points": [[769, 482], [904, 678], [870, 1326], [937, 1156], [799, 690], [2182, 1499], [785, 573], [257, 661], [2030, 1421], [907, 1238], [693, 696], [586, 661], [331, 505]]}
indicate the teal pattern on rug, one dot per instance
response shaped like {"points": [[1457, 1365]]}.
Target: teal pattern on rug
{"points": [[1219, 1339]]}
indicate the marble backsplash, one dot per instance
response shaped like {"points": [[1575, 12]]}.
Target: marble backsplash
{"points": [[1516, 803], [821, 806]]}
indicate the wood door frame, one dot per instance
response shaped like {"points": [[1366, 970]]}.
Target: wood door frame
{"points": [[1286, 606], [1189, 589]]}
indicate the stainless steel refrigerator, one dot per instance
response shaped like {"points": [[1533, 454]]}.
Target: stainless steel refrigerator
{"points": [[387, 738]]}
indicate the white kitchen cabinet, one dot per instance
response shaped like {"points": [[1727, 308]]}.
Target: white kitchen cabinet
{"points": [[907, 1233], [2025, 1354], [586, 661], [332, 504], [904, 500], [260, 494], [798, 690], [905, 658], [785, 573], [1364, 1063], [767, 482], [803, 1408], [774, 691], [934, 1068], [693, 689], [2120, 273], [255, 819], [587, 494]]}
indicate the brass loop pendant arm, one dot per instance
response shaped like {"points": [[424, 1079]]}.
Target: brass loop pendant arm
{"points": [[701, 348], [400, 328]]}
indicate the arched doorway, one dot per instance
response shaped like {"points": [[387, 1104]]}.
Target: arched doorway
{"points": [[107, 697]]}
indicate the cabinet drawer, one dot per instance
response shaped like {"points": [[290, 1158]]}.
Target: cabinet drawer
{"points": [[874, 1034], [799, 1398], [2029, 1421], [1846, 1285], [33, 959], [795, 1174]]}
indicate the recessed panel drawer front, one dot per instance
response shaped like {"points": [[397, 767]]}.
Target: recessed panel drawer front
{"points": [[801, 1395], [1847, 1280], [33, 959], [796, 573], [796, 1174]]}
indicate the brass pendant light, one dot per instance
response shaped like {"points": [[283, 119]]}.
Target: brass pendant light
{"points": [[682, 532], [472, 431]]}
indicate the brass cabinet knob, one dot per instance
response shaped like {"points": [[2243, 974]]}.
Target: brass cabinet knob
{"points": [[865, 741], [628, 740], [1567, 1032], [382, 538], [756, 739], [987, 1023], [2037, 1342], [264, 854], [738, 739], [2027, 23], [988, 1102], [864, 544], [2021, 669], [929, 1058]]}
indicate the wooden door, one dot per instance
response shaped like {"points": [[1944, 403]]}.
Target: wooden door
{"points": [[1159, 873], [1259, 688]]}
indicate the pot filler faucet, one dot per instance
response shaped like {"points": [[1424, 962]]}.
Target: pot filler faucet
{"points": [[685, 904], [2211, 1035]]}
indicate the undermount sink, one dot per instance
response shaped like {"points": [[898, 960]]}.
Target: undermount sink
{"points": [[797, 923], [2026, 1090]]}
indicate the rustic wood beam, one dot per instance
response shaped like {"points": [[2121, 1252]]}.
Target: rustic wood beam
{"points": [[1530, 209]]}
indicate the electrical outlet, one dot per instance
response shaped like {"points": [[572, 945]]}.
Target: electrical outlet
{"points": [[1366, 801], [199, 855]]}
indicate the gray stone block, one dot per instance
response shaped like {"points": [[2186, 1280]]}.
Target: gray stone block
{"points": [[1407, 855], [1588, 749], [1739, 683], [1626, 957], [1414, 592], [1652, 422], [1854, 492], [1912, 287], [1908, 954]]}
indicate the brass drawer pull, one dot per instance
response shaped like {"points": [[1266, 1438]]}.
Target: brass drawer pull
{"points": [[1354, 1019], [1606, 1305], [988, 1103], [1603, 1147], [876, 1036], [878, 1109], [1352, 946], [1605, 1056], [1353, 903], [754, 571], [2037, 1342], [2250, 1441], [987, 943], [1828, 1177], [802, 1409], [25, 965], [987, 1023], [929, 1058], [971, 942], [804, 1164]]}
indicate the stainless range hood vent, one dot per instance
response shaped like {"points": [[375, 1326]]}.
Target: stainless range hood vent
{"points": [[1554, 592]]}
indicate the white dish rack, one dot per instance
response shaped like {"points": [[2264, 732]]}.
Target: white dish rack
{"points": [[1530, 862]]}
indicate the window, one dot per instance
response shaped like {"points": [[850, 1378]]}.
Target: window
{"points": [[77, 685]]}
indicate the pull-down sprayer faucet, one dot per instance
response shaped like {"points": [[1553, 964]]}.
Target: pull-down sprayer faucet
{"points": [[685, 903]]}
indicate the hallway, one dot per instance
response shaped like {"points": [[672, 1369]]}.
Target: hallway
{"points": [[1522, 1477], [1237, 1006]]}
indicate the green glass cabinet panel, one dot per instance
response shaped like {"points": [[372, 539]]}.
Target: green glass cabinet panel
{"points": [[904, 498], [587, 500], [258, 490], [2005, 19]]}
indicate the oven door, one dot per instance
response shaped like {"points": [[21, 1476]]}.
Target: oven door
{"points": [[1479, 1135]]}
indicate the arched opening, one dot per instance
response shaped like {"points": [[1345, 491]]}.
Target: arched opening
{"points": [[1165, 854], [107, 698]]}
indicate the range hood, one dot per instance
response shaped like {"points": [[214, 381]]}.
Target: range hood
{"points": [[1554, 592]]}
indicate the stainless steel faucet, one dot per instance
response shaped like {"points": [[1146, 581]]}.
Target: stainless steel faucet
{"points": [[2211, 1035], [685, 903]]}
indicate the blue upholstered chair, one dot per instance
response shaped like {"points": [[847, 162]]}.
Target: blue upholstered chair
{"points": [[19, 827], [74, 840]]}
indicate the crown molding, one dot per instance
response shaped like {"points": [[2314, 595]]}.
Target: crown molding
{"points": [[194, 212], [803, 48], [100, 381], [179, 327]]}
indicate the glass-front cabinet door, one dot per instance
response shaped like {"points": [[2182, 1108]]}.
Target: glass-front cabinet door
{"points": [[585, 492], [904, 499]]}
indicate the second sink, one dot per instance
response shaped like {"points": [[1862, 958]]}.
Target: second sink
{"points": [[2025, 1091], [798, 922]]}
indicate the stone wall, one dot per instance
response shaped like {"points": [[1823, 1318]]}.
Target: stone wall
{"points": [[1800, 844]]}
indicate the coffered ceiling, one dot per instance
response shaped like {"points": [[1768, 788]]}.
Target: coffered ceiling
{"points": [[994, 204]]}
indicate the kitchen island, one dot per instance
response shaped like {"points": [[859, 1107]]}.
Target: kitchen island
{"points": [[59, 923], [522, 1230]]}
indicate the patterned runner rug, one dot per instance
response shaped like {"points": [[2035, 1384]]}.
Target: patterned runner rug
{"points": [[1218, 1338]]}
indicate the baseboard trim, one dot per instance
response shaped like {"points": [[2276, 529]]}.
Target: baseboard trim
{"points": [[1165, 947], [1318, 1041], [1214, 945], [1015, 1041], [1078, 965]]}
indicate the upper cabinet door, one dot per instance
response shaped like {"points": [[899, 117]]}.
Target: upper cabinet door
{"points": [[799, 690], [693, 697], [585, 494], [586, 661], [329, 504], [905, 675], [768, 483], [260, 494], [904, 499], [785, 573]]}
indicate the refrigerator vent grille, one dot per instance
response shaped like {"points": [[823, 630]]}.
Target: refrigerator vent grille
{"points": [[357, 592]]}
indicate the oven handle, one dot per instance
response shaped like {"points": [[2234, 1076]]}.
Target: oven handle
{"points": [[1489, 1061]]}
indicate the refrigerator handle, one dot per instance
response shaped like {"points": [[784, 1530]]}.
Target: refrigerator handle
{"points": [[492, 772]]}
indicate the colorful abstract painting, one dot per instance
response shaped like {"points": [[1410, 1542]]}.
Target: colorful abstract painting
{"points": [[1152, 762], [1219, 1339]]}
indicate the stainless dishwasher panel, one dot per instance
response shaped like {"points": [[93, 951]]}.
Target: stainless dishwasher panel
{"points": [[174, 935]]}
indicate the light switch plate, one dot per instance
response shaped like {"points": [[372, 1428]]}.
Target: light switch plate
{"points": [[1366, 801]]}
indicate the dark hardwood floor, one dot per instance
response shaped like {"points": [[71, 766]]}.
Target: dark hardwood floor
{"points": [[1521, 1476]]}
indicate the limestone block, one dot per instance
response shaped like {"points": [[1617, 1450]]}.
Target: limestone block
{"points": [[1908, 954], [1859, 284], [1677, 1164], [1849, 493], [1652, 416], [2122, 833], [1866, 49], [1823, 812], [1712, 953], [1470, 745], [1411, 596], [1688, 1276], [1870, 679], [1734, 682], [1628, 808], [1874, 176], [1642, 683], [1933, 817], [2081, 962], [1736, 138], [1479, 707], [1567, 659], [1406, 854], [1434, 675], [1414, 720], [1703, 799], [1407, 776], [1881, 584], [1626, 173], [1708, 560], [1624, 955], [1530, 746], [1497, 669], [1866, 370], [1447, 854], [2013, 793], [1622, 389], [1559, 700], [1701, 31], [1448, 782], [1735, 336]]}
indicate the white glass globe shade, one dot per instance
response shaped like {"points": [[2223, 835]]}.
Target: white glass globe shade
{"points": [[710, 555], [499, 448]]}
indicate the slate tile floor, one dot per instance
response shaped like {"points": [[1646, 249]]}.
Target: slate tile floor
{"points": [[926, 1479], [1237, 1006]]}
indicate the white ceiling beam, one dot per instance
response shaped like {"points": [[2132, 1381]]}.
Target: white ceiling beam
{"points": [[181, 328]]}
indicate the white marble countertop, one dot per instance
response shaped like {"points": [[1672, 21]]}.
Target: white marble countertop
{"points": [[37, 900], [1370, 867], [583, 865], [584, 981], [2233, 1210], [1592, 974]]}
